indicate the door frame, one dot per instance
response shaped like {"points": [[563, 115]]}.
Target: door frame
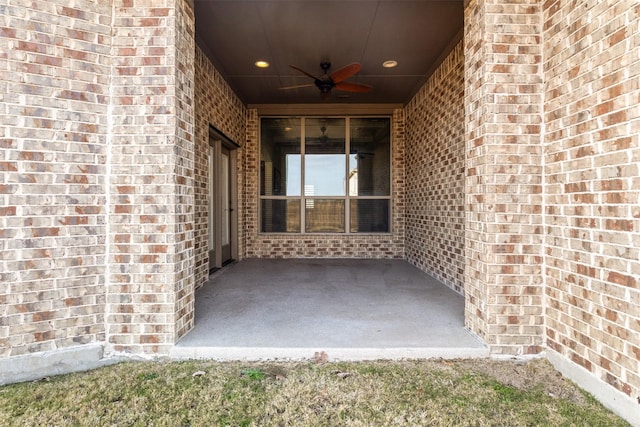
{"points": [[217, 140]]}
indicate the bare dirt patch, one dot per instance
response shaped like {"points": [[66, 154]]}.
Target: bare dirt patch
{"points": [[537, 374]]}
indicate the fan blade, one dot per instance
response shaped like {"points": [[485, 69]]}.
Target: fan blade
{"points": [[345, 72], [297, 86], [353, 87], [304, 72]]}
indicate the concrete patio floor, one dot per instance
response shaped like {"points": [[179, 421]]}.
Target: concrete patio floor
{"points": [[350, 309]]}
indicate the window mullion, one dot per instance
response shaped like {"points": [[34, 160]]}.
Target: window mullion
{"points": [[303, 226], [347, 203]]}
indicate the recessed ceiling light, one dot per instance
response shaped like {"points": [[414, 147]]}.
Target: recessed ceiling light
{"points": [[389, 64], [262, 64]]}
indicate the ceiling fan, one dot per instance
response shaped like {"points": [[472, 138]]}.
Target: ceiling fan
{"points": [[334, 80]]}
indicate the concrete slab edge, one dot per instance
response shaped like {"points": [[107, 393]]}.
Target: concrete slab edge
{"points": [[333, 354], [616, 401], [35, 366]]}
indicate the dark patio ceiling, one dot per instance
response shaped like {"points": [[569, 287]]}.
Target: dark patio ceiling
{"points": [[234, 34]]}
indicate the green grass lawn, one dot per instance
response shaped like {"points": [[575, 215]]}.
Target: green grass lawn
{"points": [[383, 393]]}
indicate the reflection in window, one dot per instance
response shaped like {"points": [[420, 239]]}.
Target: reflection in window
{"points": [[325, 216], [369, 216], [324, 136], [324, 174], [280, 216], [280, 160], [292, 173], [369, 157]]}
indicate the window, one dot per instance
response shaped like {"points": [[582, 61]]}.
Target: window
{"points": [[325, 175]]}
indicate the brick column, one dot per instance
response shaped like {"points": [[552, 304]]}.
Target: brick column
{"points": [[249, 218], [150, 178], [503, 225], [399, 189]]}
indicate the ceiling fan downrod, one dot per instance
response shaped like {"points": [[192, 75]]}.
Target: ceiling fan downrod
{"points": [[325, 65]]}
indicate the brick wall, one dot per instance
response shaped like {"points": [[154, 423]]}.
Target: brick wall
{"points": [[103, 178], [249, 191], [184, 128], [96, 175], [503, 226], [217, 106], [54, 85], [592, 186], [434, 162], [150, 291], [318, 245]]}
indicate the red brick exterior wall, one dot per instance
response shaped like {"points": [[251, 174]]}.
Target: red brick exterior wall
{"points": [[54, 79], [504, 225], [434, 163], [103, 178], [592, 187], [150, 188], [184, 184], [216, 105], [97, 175]]}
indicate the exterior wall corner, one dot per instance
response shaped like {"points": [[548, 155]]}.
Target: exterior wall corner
{"points": [[150, 288], [503, 224]]}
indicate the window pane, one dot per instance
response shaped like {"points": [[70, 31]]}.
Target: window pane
{"points": [[280, 216], [280, 160], [324, 175], [369, 158], [324, 136], [369, 216], [325, 157], [324, 216]]}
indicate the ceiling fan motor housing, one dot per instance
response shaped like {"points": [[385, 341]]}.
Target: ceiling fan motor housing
{"points": [[325, 86]]}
